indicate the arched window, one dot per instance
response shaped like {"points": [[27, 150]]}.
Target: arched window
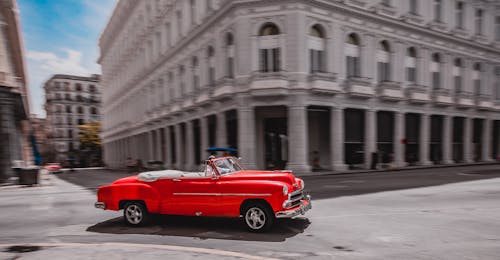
{"points": [[78, 87], [383, 61], [79, 98], [67, 97], [80, 110], [497, 82], [91, 88], [211, 65], [457, 75], [269, 29], [411, 65], [269, 48], [68, 109], [352, 51], [435, 70], [93, 111], [476, 78], [81, 121], [70, 120], [316, 42], [230, 55]]}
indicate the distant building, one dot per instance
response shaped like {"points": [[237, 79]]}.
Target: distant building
{"points": [[14, 103], [71, 101], [302, 84]]}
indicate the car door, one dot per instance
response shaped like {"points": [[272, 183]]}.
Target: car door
{"points": [[194, 196]]}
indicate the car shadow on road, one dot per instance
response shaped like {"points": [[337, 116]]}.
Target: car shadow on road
{"points": [[204, 228]]}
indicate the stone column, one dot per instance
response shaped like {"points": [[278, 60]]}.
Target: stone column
{"points": [[424, 139], [150, 145], [221, 134], [190, 158], [487, 141], [247, 137], [468, 157], [446, 75], [298, 139], [399, 135], [337, 59], [370, 136], [178, 147], [168, 143], [337, 139], [447, 138], [203, 137]]}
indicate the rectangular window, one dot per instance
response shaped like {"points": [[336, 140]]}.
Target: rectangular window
{"points": [[411, 74], [458, 84], [436, 80], [230, 67], [386, 2], [497, 28], [479, 21], [437, 10], [413, 6], [459, 12], [497, 87], [477, 86], [316, 59], [353, 69], [196, 82], [263, 60], [383, 71], [211, 75], [276, 59]]}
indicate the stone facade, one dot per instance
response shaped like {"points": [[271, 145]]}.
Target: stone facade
{"points": [[302, 84], [14, 103], [71, 101]]}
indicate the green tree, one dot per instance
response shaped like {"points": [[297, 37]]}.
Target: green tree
{"points": [[89, 136]]}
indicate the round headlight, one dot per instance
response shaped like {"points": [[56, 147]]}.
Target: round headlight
{"points": [[302, 184], [285, 190]]}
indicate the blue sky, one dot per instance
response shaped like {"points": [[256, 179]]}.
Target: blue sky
{"points": [[60, 37]]}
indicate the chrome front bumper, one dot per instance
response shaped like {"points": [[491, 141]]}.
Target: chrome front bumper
{"points": [[100, 205], [300, 210]]}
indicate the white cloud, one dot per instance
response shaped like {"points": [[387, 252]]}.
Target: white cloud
{"points": [[52, 64]]}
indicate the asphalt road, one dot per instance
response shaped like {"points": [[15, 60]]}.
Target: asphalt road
{"points": [[445, 213]]}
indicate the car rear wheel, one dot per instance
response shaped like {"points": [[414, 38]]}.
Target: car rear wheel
{"points": [[258, 217], [135, 213]]}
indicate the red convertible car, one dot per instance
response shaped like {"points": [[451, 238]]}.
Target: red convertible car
{"points": [[224, 189]]}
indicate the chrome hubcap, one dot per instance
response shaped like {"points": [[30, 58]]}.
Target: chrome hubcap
{"points": [[133, 213], [255, 218]]}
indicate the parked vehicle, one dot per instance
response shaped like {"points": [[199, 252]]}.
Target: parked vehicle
{"points": [[223, 189], [53, 167]]}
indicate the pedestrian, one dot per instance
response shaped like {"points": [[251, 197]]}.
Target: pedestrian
{"points": [[130, 164]]}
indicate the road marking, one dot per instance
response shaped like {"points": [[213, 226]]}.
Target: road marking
{"points": [[151, 246]]}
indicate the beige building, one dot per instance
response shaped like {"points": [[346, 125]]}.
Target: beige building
{"points": [[302, 84], [14, 104], [71, 101]]}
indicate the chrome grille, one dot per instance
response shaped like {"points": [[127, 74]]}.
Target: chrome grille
{"points": [[296, 197]]}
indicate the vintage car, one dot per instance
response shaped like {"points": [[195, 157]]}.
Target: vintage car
{"points": [[223, 189], [53, 168]]}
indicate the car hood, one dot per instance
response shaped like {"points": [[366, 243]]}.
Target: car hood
{"points": [[285, 177], [126, 180]]}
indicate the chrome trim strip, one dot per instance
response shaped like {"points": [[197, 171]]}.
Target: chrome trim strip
{"points": [[221, 194], [100, 205]]}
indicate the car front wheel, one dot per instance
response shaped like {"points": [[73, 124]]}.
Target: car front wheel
{"points": [[135, 213], [258, 217]]}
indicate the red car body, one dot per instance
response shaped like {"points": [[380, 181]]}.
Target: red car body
{"points": [[210, 193], [53, 168]]}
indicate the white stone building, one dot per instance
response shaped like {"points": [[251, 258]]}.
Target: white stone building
{"points": [[71, 101], [302, 83]]}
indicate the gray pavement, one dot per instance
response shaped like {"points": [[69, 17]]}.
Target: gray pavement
{"points": [[453, 220]]}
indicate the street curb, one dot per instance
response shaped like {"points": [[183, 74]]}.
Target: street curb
{"points": [[409, 168]]}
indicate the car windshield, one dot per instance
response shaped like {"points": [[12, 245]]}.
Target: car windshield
{"points": [[227, 165]]}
